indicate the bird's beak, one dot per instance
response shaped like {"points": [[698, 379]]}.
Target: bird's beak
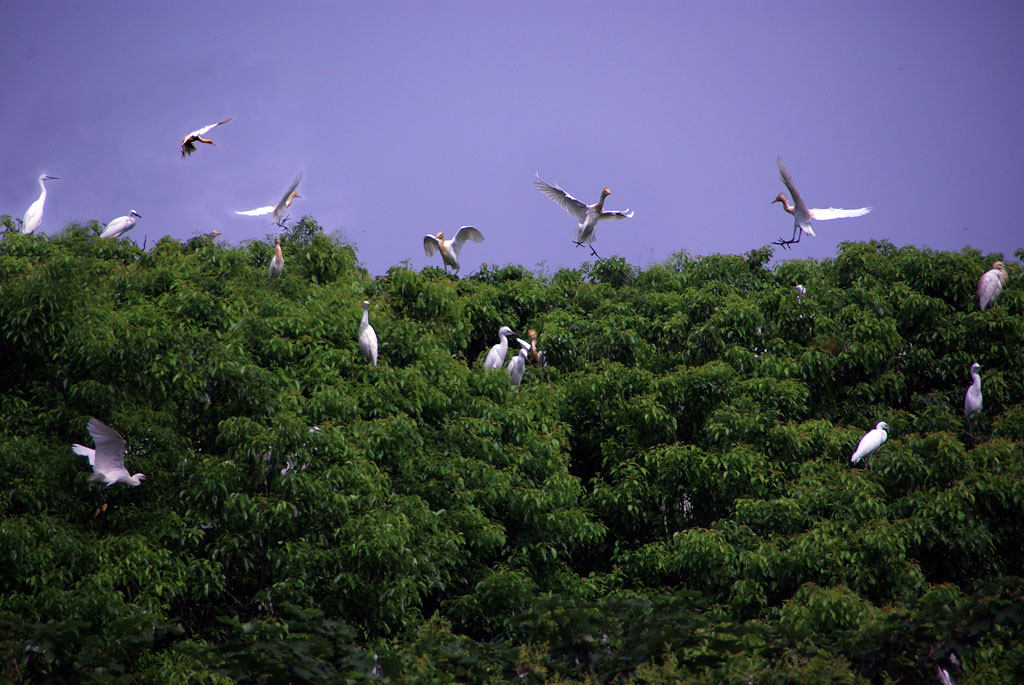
{"points": [[52, 178]]}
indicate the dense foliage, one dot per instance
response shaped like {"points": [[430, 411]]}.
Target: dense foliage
{"points": [[670, 499]]}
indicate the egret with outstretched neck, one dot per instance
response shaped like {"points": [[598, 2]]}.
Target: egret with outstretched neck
{"points": [[871, 441], [34, 214], [802, 215], [990, 285], [121, 225], [451, 249], [277, 263], [284, 203], [972, 398], [517, 366], [107, 460], [496, 356], [588, 216]]}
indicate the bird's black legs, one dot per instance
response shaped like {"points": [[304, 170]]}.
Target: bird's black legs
{"points": [[592, 250], [797, 234]]}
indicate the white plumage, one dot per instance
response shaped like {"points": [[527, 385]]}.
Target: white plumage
{"points": [[121, 225], [496, 356], [188, 143], [990, 285], [367, 336], [87, 452], [277, 263], [283, 204], [586, 215], [107, 460], [802, 215], [451, 249], [871, 441], [972, 398], [517, 366], [34, 214]]}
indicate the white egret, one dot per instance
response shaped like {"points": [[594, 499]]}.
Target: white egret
{"points": [[517, 366], [496, 356], [587, 215], [277, 263], [990, 285], [121, 225], [367, 336], [972, 398], [278, 209], [188, 143], [108, 458], [451, 249], [536, 355], [801, 215], [800, 292], [214, 233], [871, 441], [34, 214]]}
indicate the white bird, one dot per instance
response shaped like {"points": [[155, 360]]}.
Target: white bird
{"points": [[451, 249], [496, 356], [188, 143], [367, 336], [34, 213], [972, 399], [517, 366], [801, 215], [800, 292], [121, 225], [108, 458], [587, 215], [990, 285], [871, 441], [277, 263], [278, 209], [87, 452]]}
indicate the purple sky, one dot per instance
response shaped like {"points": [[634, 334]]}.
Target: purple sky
{"points": [[414, 117]]}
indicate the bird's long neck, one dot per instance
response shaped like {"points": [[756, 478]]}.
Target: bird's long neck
{"points": [[600, 203], [366, 318], [277, 252], [976, 384], [42, 189], [785, 204]]}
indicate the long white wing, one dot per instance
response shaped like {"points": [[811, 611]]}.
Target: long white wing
{"points": [[204, 129], [525, 344], [833, 213], [466, 233], [259, 211], [562, 199], [430, 245], [83, 451], [291, 189], [625, 214], [798, 201], [110, 447]]}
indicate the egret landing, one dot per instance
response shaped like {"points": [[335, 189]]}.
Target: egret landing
{"points": [[801, 215]]}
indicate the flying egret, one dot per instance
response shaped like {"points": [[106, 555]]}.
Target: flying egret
{"points": [[451, 249], [188, 143], [801, 215], [277, 263], [972, 398], [121, 225], [536, 356], [34, 213], [517, 366], [278, 209], [990, 285], [107, 460], [871, 441], [367, 336], [496, 356], [587, 215], [214, 233]]}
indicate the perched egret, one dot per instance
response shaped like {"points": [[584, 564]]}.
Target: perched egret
{"points": [[800, 292], [367, 336], [496, 356], [871, 441], [451, 249], [801, 215], [188, 143], [517, 366], [536, 355], [990, 285], [34, 213], [278, 209], [586, 215], [107, 460], [972, 398], [121, 225], [277, 263]]}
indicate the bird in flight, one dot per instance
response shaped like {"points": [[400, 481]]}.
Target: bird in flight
{"points": [[452, 248], [801, 215], [586, 215], [283, 204], [188, 143]]}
